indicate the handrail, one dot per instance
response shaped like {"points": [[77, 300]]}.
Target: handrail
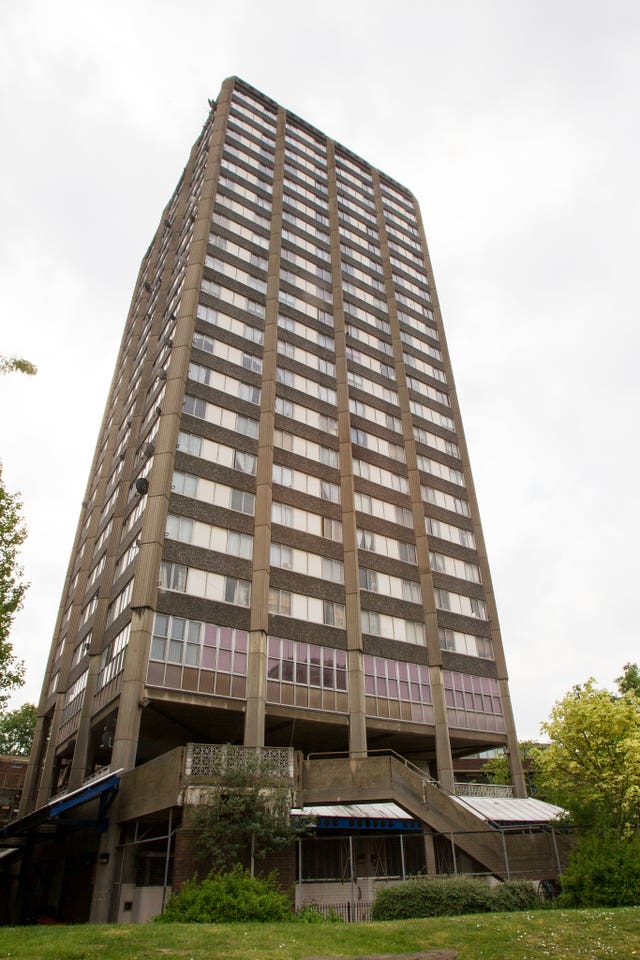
{"points": [[387, 751]]}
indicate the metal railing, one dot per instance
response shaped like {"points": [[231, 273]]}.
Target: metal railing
{"points": [[483, 789]]}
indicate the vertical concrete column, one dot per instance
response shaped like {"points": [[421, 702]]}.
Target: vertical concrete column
{"points": [[355, 666], [429, 850], [496, 636], [444, 759], [254, 724]]}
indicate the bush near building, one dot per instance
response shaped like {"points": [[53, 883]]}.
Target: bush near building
{"points": [[228, 898], [451, 896]]}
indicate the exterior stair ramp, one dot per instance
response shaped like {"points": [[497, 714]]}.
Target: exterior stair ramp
{"points": [[389, 777]]}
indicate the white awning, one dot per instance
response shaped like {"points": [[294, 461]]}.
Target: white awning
{"points": [[511, 810]]}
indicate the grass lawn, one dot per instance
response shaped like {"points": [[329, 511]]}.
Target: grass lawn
{"points": [[604, 934]]}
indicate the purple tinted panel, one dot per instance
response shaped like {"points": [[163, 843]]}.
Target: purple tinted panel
{"points": [[393, 689], [287, 649], [447, 678], [477, 686], [486, 684], [314, 654], [287, 670], [210, 635], [301, 673], [404, 690], [240, 664], [369, 685], [341, 679], [381, 686], [208, 657], [327, 656], [415, 692], [424, 674], [402, 671], [468, 701], [226, 637], [224, 661], [380, 667], [327, 678], [448, 696], [314, 675], [468, 683], [273, 669], [426, 693], [155, 673], [413, 671], [274, 647], [459, 699], [368, 664], [341, 659], [241, 640], [302, 653], [161, 625]]}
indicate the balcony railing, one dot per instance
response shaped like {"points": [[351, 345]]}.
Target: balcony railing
{"points": [[483, 789]]}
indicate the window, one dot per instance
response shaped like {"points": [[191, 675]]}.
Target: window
{"points": [[244, 462], [281, 556], [366, 540], [368, 579], [407, 552], [280, 602], [282, 475], [239, 544], [246, 426], [332, 570], [243, 502], [237, 591], [332, 529], [333, 614], [173, 576]]}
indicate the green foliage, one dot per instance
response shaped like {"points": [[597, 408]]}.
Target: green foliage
{"points": [[497, 770], [12, 364], [233, 897], [17, 728], [629, 681], [249, 812], [603, 871], [12, 588], [592, 765], [450, 896], [312, 914]]}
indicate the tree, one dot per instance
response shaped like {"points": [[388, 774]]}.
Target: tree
{"points": [[629, 681], [12, 588], [497, 770], [17, 728], [11, 364], [247, 813], [592, 764]]}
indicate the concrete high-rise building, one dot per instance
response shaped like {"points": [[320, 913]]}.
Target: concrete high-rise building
{"points": [[280, 544]]}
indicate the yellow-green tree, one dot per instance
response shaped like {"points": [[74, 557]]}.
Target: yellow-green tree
{"points": [[592, 764]]}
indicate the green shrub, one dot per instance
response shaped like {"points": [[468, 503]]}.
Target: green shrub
{"points": [[603, 871], [311, 913], [227, 898], [450, 896]]}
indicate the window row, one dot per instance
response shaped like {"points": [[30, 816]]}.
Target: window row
{"points": [[217, 494], [305, 483], [371, 387], [371, 363], [385, 478], [386, 546], [224, 322], [369, 339], [437, 442], [466, 643], [310, 334], [304, 520], [375, 415], [286, 603], [378, 444], [442, 470], [197, 644], [454, 567], [305, 385], [306, 358], [305, 448], [459, 603], [209, 537], [226, 384], [383, 583], [236, 250], [243, 233], [236, 299], [220, 416], [446, 531], [441, 499], [202, 583], [302, 414], [392, 628], [434, 416], [310, 564], [380, 508], [215, 452]]}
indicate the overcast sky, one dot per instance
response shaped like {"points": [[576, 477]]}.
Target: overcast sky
{"points": [[516, 124]]}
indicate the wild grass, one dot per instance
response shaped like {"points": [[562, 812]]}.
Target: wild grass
{"points": [[604, 934]]}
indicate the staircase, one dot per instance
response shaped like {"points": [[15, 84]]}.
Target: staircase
{"points": [[390, 778]]}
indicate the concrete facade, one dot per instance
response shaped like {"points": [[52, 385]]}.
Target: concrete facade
{"points": [[280, 543]]}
